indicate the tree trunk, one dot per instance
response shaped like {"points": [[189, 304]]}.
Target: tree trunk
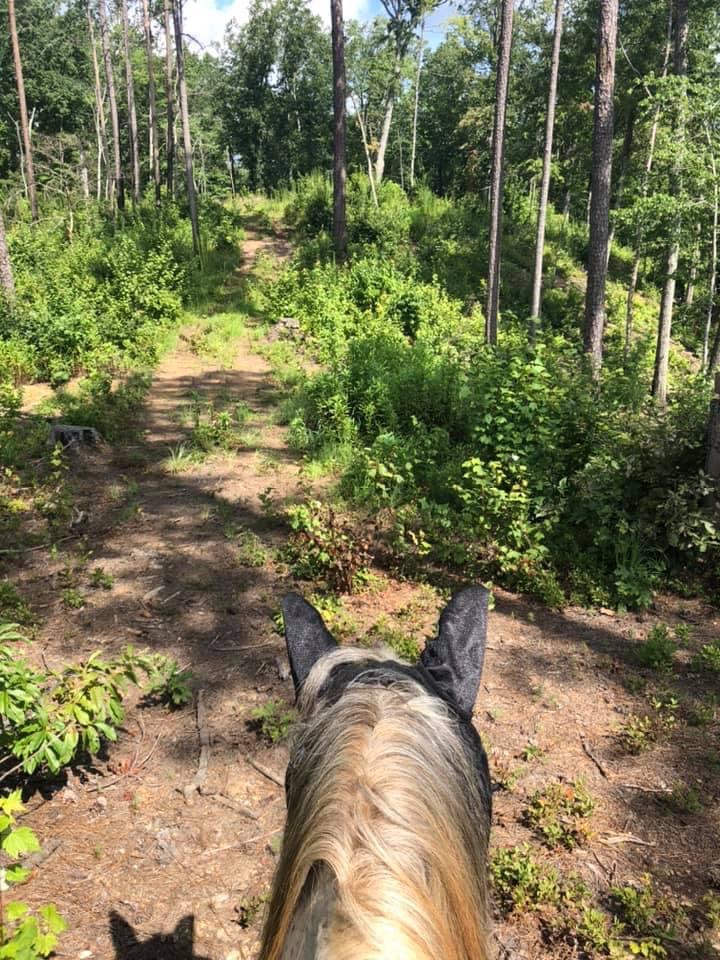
{"points": [[714, 361], [713, 256], [132, 114], [712, 461], [662, 350], [601, 178], [502, 79], [153, 138], [646, 177], [169, 93], [7, 284], [339, 131], [413, 149], [185, 118], [100, 127], [366, 147], [622, 167], [547, 164], [384, 139], [24, 125], [118, 180]]}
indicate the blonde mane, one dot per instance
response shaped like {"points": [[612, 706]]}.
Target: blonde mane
{"points": [[384, 854]]}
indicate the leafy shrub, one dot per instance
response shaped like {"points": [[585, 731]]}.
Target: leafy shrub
{"points": [[324, 545], [48, 718], [23, 934], [707, 659], [657, 651], [559, 813], [273, 720]]}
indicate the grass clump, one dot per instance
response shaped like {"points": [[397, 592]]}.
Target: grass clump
{"points": [[559, 814], [658, 650]]}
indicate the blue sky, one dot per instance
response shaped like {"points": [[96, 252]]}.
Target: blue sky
{"points": [[205, 20]]}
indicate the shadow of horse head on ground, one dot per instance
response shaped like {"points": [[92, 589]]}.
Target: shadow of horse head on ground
{"points": [[178, 945]]}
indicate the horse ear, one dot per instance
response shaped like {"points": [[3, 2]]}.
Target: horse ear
{"points": [[306, 636], [455, 658]]}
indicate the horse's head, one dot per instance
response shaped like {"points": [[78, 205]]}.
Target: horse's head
{"points": [[449, 667]]}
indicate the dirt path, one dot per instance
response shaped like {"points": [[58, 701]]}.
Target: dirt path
{"points": [[143, 872]]}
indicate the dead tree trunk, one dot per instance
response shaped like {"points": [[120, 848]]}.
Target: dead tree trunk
{"points": [[496, 171], [169, 93], [547, 165], [662, 350], [100, 126], [601, 178], [339, 131], [153, 139], [7, 283], [132, 113], [118, 181], [384, 138], [416, 105], [24, 125], [185, 118]]}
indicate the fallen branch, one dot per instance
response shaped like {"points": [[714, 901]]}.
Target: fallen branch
{"points": [[625, 838], [588, 753], [240, 843], [265, 772], [230, 804], [198, 781]]}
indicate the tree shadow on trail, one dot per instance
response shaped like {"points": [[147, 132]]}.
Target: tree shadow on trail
{"points": [[178, 945]]}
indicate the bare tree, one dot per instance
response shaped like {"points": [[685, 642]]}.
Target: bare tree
{"points": [[672, 258], [416, 105], [153, 140], [24, 124], [404, 17], [600, 183], [339, 130], [169, 94], [185, 118], [118, 181], [132, 113], [7, 284], [547, 165], [497, 180], [100, 125]]}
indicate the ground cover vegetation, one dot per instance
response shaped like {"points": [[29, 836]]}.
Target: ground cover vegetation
{"points": [[527, 402]]}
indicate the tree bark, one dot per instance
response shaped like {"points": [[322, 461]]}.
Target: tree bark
{"points": [[24, 125], [635, 273], [413, 149], [712, 461], [384, 139], [339, 130], [713, 255], [100, 126], [547, 165], [153, 139], [366, 147], [169, 93], [497, 181], [7, 283], [118, 190], [601, 178], [132, 113], [185, 118], [662, 350]]}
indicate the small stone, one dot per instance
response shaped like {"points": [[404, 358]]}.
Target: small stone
{"points": [[85, 954]]}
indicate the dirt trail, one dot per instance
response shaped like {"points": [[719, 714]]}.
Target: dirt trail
{"points": [[143, 874]]}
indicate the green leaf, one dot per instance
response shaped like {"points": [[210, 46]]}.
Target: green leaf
{"points": [[17, 874], [20, 841], [16, 909], [55, 923]]}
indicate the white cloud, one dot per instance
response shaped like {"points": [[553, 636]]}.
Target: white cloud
{"points": [[206, 23]]}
